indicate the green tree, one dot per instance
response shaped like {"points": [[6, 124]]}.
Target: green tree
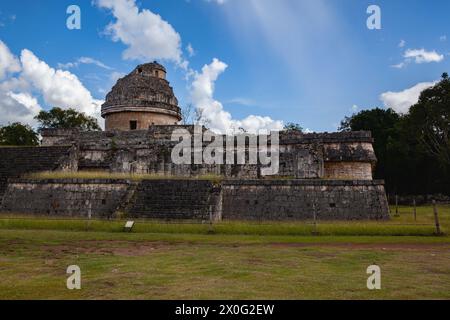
{"points": [[17, 134], [413, 150], [384, 125], [290, 126], [429, 120], [58, 118]]}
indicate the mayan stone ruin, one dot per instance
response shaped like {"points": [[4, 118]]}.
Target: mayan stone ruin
{"points": [[327, 175]]}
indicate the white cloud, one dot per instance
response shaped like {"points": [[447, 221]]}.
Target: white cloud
{"points": [[8, 62], [20, 107], [400, 65], [27, 101], [242, 101], [418, 56], [216, 117], [114, 76], [83, 60], [423, 56], [402, 43], [30, 106], [401, 101], [58, 88], [190, 50], [146, 34], [217, 1]]}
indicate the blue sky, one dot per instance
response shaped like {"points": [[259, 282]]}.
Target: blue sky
{"points": [[311, 62]]}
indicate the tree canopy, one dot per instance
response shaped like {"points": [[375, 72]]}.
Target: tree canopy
{"points": [[413, 149], [290, 126], [429, 120], [58, 118], [17, 134]]}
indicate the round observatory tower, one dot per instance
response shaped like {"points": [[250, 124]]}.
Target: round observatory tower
{"points": [[141, 99]]}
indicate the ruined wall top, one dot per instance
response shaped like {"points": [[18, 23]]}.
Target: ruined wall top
{"points": [[164, 132], [314, 155]]}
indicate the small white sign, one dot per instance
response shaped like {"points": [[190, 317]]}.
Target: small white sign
{"points": [[129, 225]]}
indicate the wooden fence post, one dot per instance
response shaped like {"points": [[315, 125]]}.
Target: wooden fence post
{"points": [[396, 206], [315, 219], [436, 219], [415, 209], [211, 223], [389, 203]]}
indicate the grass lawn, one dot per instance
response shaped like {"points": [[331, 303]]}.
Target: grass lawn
{"points": [[235, 263], [403, 225]]}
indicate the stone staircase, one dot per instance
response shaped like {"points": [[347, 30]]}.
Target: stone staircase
{"points": [[175, 199]]}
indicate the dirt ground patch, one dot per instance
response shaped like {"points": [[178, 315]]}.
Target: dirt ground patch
{"points": [[140, 248], [119, 248], [368, 246]]}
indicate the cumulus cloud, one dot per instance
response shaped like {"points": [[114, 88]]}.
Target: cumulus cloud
{"points": [[242, 101], [400, 65], [401, 101], [25, 106], [423, 56], [83, 60], [418, 56], [214, 115], [35, 79], [146, 34], [58, 88], [8, 62], [190, 50], [20, 107]]}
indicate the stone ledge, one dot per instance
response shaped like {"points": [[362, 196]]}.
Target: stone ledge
{"points": [[325, 137], [303, 182], [229, 182], [69, 181]]}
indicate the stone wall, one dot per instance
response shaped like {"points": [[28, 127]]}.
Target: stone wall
{"points": [[16, 161], [302, 156], [348, 170], [299, 199], [198, 200], [65, 198], [121, 120]]}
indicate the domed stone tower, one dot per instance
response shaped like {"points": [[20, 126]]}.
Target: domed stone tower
{"points": [[141, 99]]}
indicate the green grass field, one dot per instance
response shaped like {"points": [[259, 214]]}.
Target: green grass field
{"points": [[238, 261]]}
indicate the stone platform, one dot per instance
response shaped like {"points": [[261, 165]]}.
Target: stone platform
{"points": [[277, 200]]}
